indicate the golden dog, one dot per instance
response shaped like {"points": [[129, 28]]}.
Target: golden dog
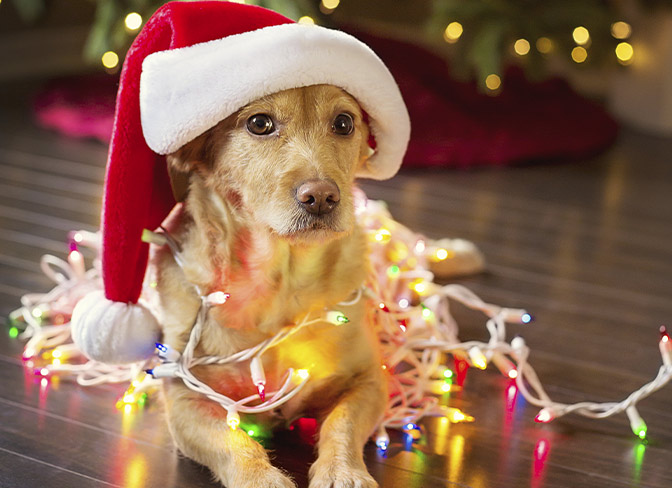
{"points": [[269, 218]]}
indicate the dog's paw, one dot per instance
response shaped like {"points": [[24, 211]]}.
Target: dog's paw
{"points": [[332, 475], [269, 477]]}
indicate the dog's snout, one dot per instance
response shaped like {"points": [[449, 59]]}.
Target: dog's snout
{"points": [[318, 197]]}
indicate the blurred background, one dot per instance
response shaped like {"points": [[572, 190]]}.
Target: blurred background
{"points": [[487, 81]]}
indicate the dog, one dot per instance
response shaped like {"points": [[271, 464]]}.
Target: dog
{"points": [[268, 217]]}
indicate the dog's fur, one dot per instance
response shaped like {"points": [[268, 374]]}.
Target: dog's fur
{"points": [[243, 231]]}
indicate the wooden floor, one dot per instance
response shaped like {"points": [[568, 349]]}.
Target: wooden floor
{"points": [[585, 246]]}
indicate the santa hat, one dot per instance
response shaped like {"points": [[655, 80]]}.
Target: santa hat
{"points": [[193, 65]]}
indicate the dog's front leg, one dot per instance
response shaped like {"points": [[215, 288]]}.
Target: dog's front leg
{"points": [[340, 462], [201, 433]]}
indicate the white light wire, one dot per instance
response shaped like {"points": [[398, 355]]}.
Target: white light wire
{"points": [[412, 356]]}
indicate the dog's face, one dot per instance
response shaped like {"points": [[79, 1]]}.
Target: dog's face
{"points": [[288, 160]]}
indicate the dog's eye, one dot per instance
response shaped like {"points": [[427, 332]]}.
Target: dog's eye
{"points": [[343, 124], [260, 125]]}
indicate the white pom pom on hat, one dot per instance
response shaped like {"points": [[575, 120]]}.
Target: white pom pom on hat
{"points": [[113, 332], [192, 65]]}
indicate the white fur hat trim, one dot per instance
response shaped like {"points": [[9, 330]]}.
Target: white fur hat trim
{"points": [[186, 91], [113, 332]]}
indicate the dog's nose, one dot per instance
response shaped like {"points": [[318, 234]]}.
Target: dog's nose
{"points": [[318, 197]]}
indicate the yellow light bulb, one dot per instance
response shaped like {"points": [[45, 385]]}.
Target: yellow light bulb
{"points": [[621, 30], [303, 374], [306, 19], [522, 47], [493, 82], [133, 21], [581, 35], [420, 288], [453, 32], [383, 235], [442, 254], [110, 59], [130, 398], [544, 45], [330, 4], [477, 357], [624, 52], [579, 54]]}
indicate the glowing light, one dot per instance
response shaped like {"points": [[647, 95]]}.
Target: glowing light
{"points": [[581, 35], [337, 318], [426, 312], [217, 298], [455, 415], [506, 367], [331, 4], [44, 371], [382, 439], [544, 45], [404, 303], [233, 419], [393, 271], [128, 398], [477, 358], [57, 353], [446, 387], [133, 21], [56, 362], [420, 287], [261, 389], [303, 374], [544, 416], [526, 318], [37, 313], [624, 53], [579, 54], [13, 332], [448, 373], [410, 426], [665, 346], [621, 30], [521, 47], [250, 433], [493, 81], [77, 237], [420, 246], [307, 20], [110, 59], [443, 254], [453, 32], [382, 235], [128, 408], [637, 423]]}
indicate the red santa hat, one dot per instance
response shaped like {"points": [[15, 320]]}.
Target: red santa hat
{"points": [[193, 65]]}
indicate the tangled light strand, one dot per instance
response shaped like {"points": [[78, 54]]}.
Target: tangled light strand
{"points": [[412, 318]]}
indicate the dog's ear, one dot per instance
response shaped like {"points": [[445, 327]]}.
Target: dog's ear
{"points": [[191, 157]]}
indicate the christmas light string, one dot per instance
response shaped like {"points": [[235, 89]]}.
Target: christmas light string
{"points": [[411, 314], [179, 365]]}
